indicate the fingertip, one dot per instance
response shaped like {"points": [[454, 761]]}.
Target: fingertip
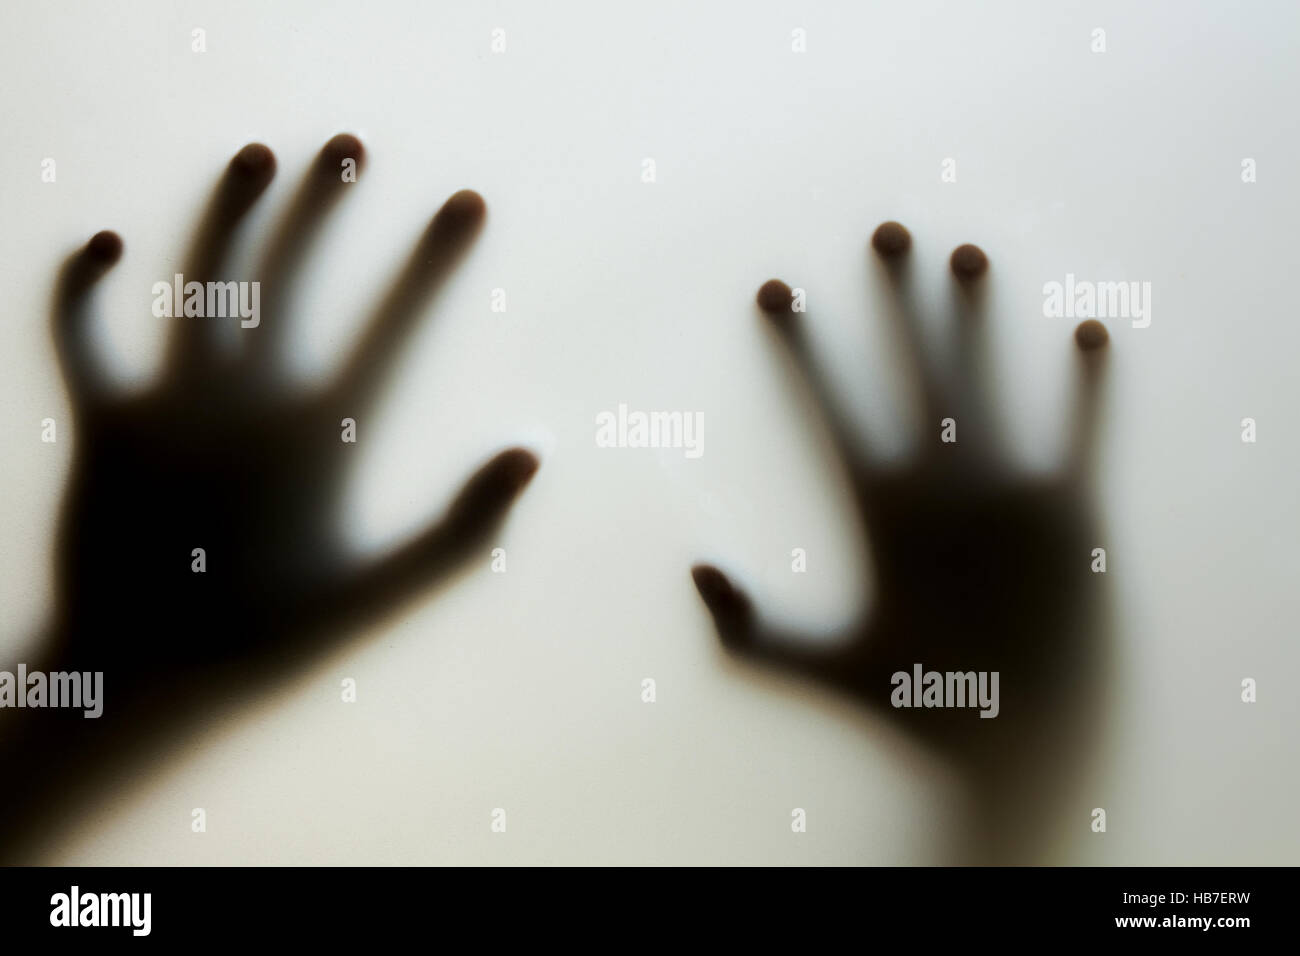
{"points": [[104, 247], [891, 240], [460, 216], [775, 297], [1091, 335], [254, 161], [342, 147], [727, 604], [714, 586], [466, 207], [514, 468], [969, 262], [85, 266]]}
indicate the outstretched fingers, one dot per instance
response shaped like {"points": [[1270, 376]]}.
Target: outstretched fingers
{"points": [[1093, 343], [893, 245], [776, 300], [733, 612], [473, 516], [973, 364], [193, 339], [442, 246], [334, 170], [82, 373], [838, 665]]}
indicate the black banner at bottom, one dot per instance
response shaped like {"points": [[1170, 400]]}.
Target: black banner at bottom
{"points": [[136, 905]]}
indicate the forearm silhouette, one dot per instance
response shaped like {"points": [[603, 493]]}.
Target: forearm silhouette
{"points": [[221, 455], [978, 566]]}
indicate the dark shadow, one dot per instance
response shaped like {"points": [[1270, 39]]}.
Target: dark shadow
{"points": [[979, 568], [219, 456]]}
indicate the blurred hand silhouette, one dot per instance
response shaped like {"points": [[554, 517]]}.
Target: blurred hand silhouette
{"points": [[978, 567], [220, 455]]}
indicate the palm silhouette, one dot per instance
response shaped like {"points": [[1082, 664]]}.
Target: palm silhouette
{"points": [[978, 566], [219, 455]]}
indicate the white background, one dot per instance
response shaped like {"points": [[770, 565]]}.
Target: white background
{"points": [[522, 690]]}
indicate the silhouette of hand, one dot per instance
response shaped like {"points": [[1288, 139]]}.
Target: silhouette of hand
{"points": [[978, 568], [221, 456]]}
